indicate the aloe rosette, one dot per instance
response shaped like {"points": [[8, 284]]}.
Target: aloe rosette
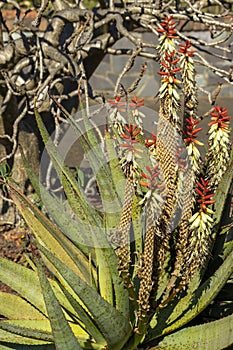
{"points": [[141, 278]]}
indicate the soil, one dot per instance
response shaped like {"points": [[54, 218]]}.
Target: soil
{"points": [[15, 244]]}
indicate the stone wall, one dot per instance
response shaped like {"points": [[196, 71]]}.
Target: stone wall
{"points": [[105, 77]]}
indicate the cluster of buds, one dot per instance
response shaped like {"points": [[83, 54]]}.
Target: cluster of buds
{"points": [[168, 89], [123, 112], [168, 62], [137, 115], [150, 144], [169, 80], [190, 139], [201, 224], [155, 187], [166, 40], [186, 61], [219, 145]]}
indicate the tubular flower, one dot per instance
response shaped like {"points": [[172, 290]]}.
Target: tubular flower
{"points": [[151, 142], [220, 120], [169, 80], [168, 34], [151, 146], [203, 190], [131, 132], [130, 146], [168, 61], [185, 49], [169, 84], [201, 224], [218, 154], [134, 105], [191, 141], [117, 104], [151, 180]]}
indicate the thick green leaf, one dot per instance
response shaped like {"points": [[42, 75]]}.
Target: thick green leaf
{"points": [[104, 277], [106, 257], [87, 321], [215, 335], [88, 231], [109, 190], [107, 265], [85, 211], [222, 190], [64, 338], [184, 309], [37, 329], [57, 212], [91, 215], [99, 164], [108, 276], [112, 324], [49, 235], [72, 228], [9, 346], [24, 281], [9, 337], [14, 307]]}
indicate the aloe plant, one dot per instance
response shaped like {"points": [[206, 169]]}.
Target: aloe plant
{"points": [[134, 274]]}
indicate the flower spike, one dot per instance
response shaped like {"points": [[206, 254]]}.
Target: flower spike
{"points": [[201, 224], [190, 139], [185, 49], [168, 34], [168, 28], [136, 103], [152, 181], [130, 147], [218, 154]]}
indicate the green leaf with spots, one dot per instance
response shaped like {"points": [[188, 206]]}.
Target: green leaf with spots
{"points": [[183, 309], [24, 281], [113, 325], [222, 190], [14, 307], [215, 335], [48, 234], [63, 335]]}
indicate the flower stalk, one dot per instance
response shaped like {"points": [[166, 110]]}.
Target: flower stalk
{"points": [[188, 79]]}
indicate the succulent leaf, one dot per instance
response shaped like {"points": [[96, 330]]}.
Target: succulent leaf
{"points": [[63, 335], [195, 300], [216, 335], [112, 324], [14, 307]]}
